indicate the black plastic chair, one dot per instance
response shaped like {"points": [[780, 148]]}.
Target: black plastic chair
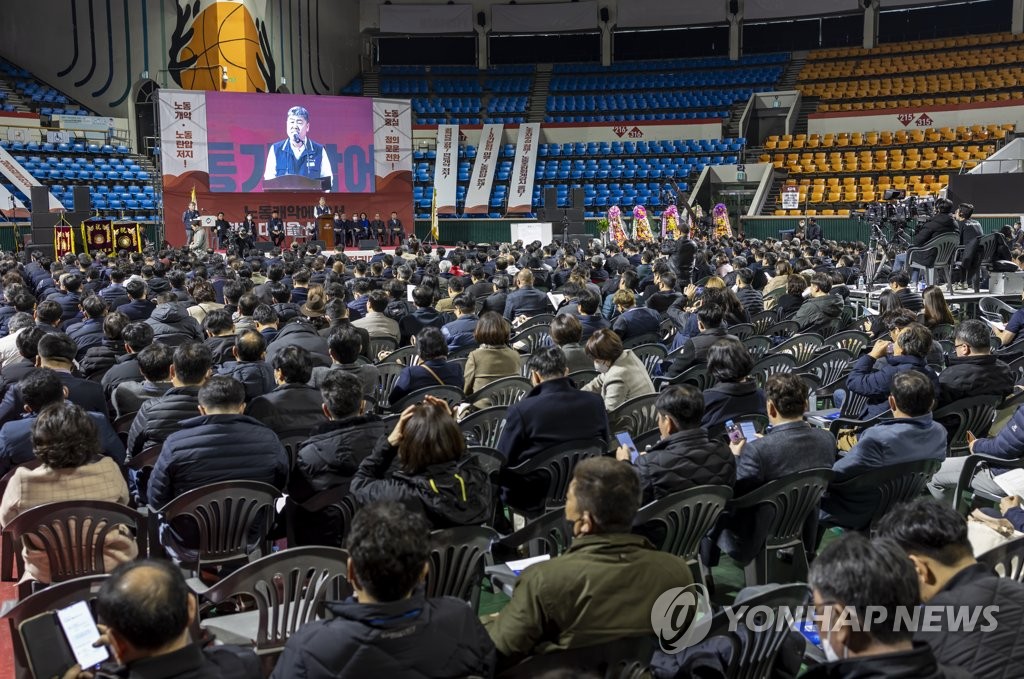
{"points": [[547, 534], [677, 522], [581, 377], [453, 395], [34, 608], [652, 356], [854, 341], [287, 589], [387, 376], [464, 352], [757, 346], [322, 520], [801, 347], [884, 488], [503, 392], [403, 356], [542, 482], [994, 309], [741, 330], [1007, 560], [530, 339], [771, 364], [641, 340], [695, 375], [762, 321], [756, 639], [457, 560], [617, 659], [381, 343], [225, 514], [940, 250], [943, 331], [966, 494], [637, 415], [829, 367], [783, 329], [783, 507], [483, 428], [975, 415], [73, 535]]}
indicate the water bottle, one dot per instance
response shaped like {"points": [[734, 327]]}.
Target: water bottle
{"points": [[860, 282], [921, 286]]}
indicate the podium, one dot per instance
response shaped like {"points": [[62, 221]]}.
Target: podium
{"points": [[296, 182], [325, 229]]}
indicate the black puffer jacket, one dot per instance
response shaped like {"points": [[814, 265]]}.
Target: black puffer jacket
{"points": [[300, 334], [100, 358], [256, 376], [411, 638], [683, 460], [449, 494], [160, 417], [173, 325], [995, 653], [333, 453]]}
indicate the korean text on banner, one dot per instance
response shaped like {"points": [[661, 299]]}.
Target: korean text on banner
{"points": [[183, 143], [520, 198], [446, 172], [392, 136], [478, 194]]}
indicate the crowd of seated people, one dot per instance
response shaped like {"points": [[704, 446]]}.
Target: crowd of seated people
{"points": [[259, 367]]}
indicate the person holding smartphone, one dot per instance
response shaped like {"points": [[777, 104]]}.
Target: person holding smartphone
{"points": [[685, 456]]}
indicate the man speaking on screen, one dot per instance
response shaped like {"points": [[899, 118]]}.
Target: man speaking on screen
{"points": [[298, 154]]}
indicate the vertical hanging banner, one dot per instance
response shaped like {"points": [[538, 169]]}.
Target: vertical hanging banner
{"points": [[478, 195], [392, 137], [520, 199], [446, 167], [183, 134]]}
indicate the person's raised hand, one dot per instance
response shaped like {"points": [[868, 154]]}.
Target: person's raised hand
{"points": [[880, 349], [439, 402], [395, 437]]}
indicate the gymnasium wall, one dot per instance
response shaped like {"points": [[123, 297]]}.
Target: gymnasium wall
{"points": [[97, 50], [895, 119]]}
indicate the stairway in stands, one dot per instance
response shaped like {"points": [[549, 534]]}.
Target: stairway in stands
{"points": [[371, 84], [539, 94], [792, 72]]}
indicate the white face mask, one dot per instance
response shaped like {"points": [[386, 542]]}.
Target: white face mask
{"points": [[830, 653], [601, 366]]}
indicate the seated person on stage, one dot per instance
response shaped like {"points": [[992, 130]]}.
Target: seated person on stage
{"points": [[617, 574], [910, 436], [389, 628]]}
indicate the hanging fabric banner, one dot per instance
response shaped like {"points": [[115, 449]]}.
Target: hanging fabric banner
{"points": [[127, 236], [63, 239], [478, 195], [97, 236], [520, 198], [446, 167]]}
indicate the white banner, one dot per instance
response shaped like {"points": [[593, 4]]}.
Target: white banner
{"points": [[544, 18], [446, 167], [520, 198], [426, 19], [22, 179], [392, 137], [478, 195], [183, 132], [90, 123]]}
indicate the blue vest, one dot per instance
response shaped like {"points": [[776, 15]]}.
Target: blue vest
{"points": [[307, 164]]}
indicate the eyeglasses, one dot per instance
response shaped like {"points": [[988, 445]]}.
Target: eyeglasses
{"points": [[959, 346]]}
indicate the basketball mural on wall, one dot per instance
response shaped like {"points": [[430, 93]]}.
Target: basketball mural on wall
{"points": [[220, 46]]}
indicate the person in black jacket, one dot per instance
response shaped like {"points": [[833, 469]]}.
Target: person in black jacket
{"points": [[218, 443], [100, 358], [526, 300], [335, 449], [735, 393], [935, 538], [974, 371], [171, 323], [88, 332], [849, 577], [684, 457], [249, 366], [159, 417], [389, 629], [139, 308], [432, 473], [155, 364], [293, 408], [695, 349], [219, 335]]}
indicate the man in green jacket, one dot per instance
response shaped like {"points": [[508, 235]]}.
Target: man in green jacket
{"points": [[605, 585]]}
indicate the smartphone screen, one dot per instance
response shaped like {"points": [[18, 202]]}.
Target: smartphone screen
{"points": [[80, 629], [748, 430], [735, 435], [626, 440]]}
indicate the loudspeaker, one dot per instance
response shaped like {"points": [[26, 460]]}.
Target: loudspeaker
{"points": [[604, 15], [481, 19], [551, 198], [577, 198], [40, 196], [83, 203], [368, 243]]}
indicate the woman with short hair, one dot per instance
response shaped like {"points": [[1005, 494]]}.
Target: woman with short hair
{"points": [[623, 375]]}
